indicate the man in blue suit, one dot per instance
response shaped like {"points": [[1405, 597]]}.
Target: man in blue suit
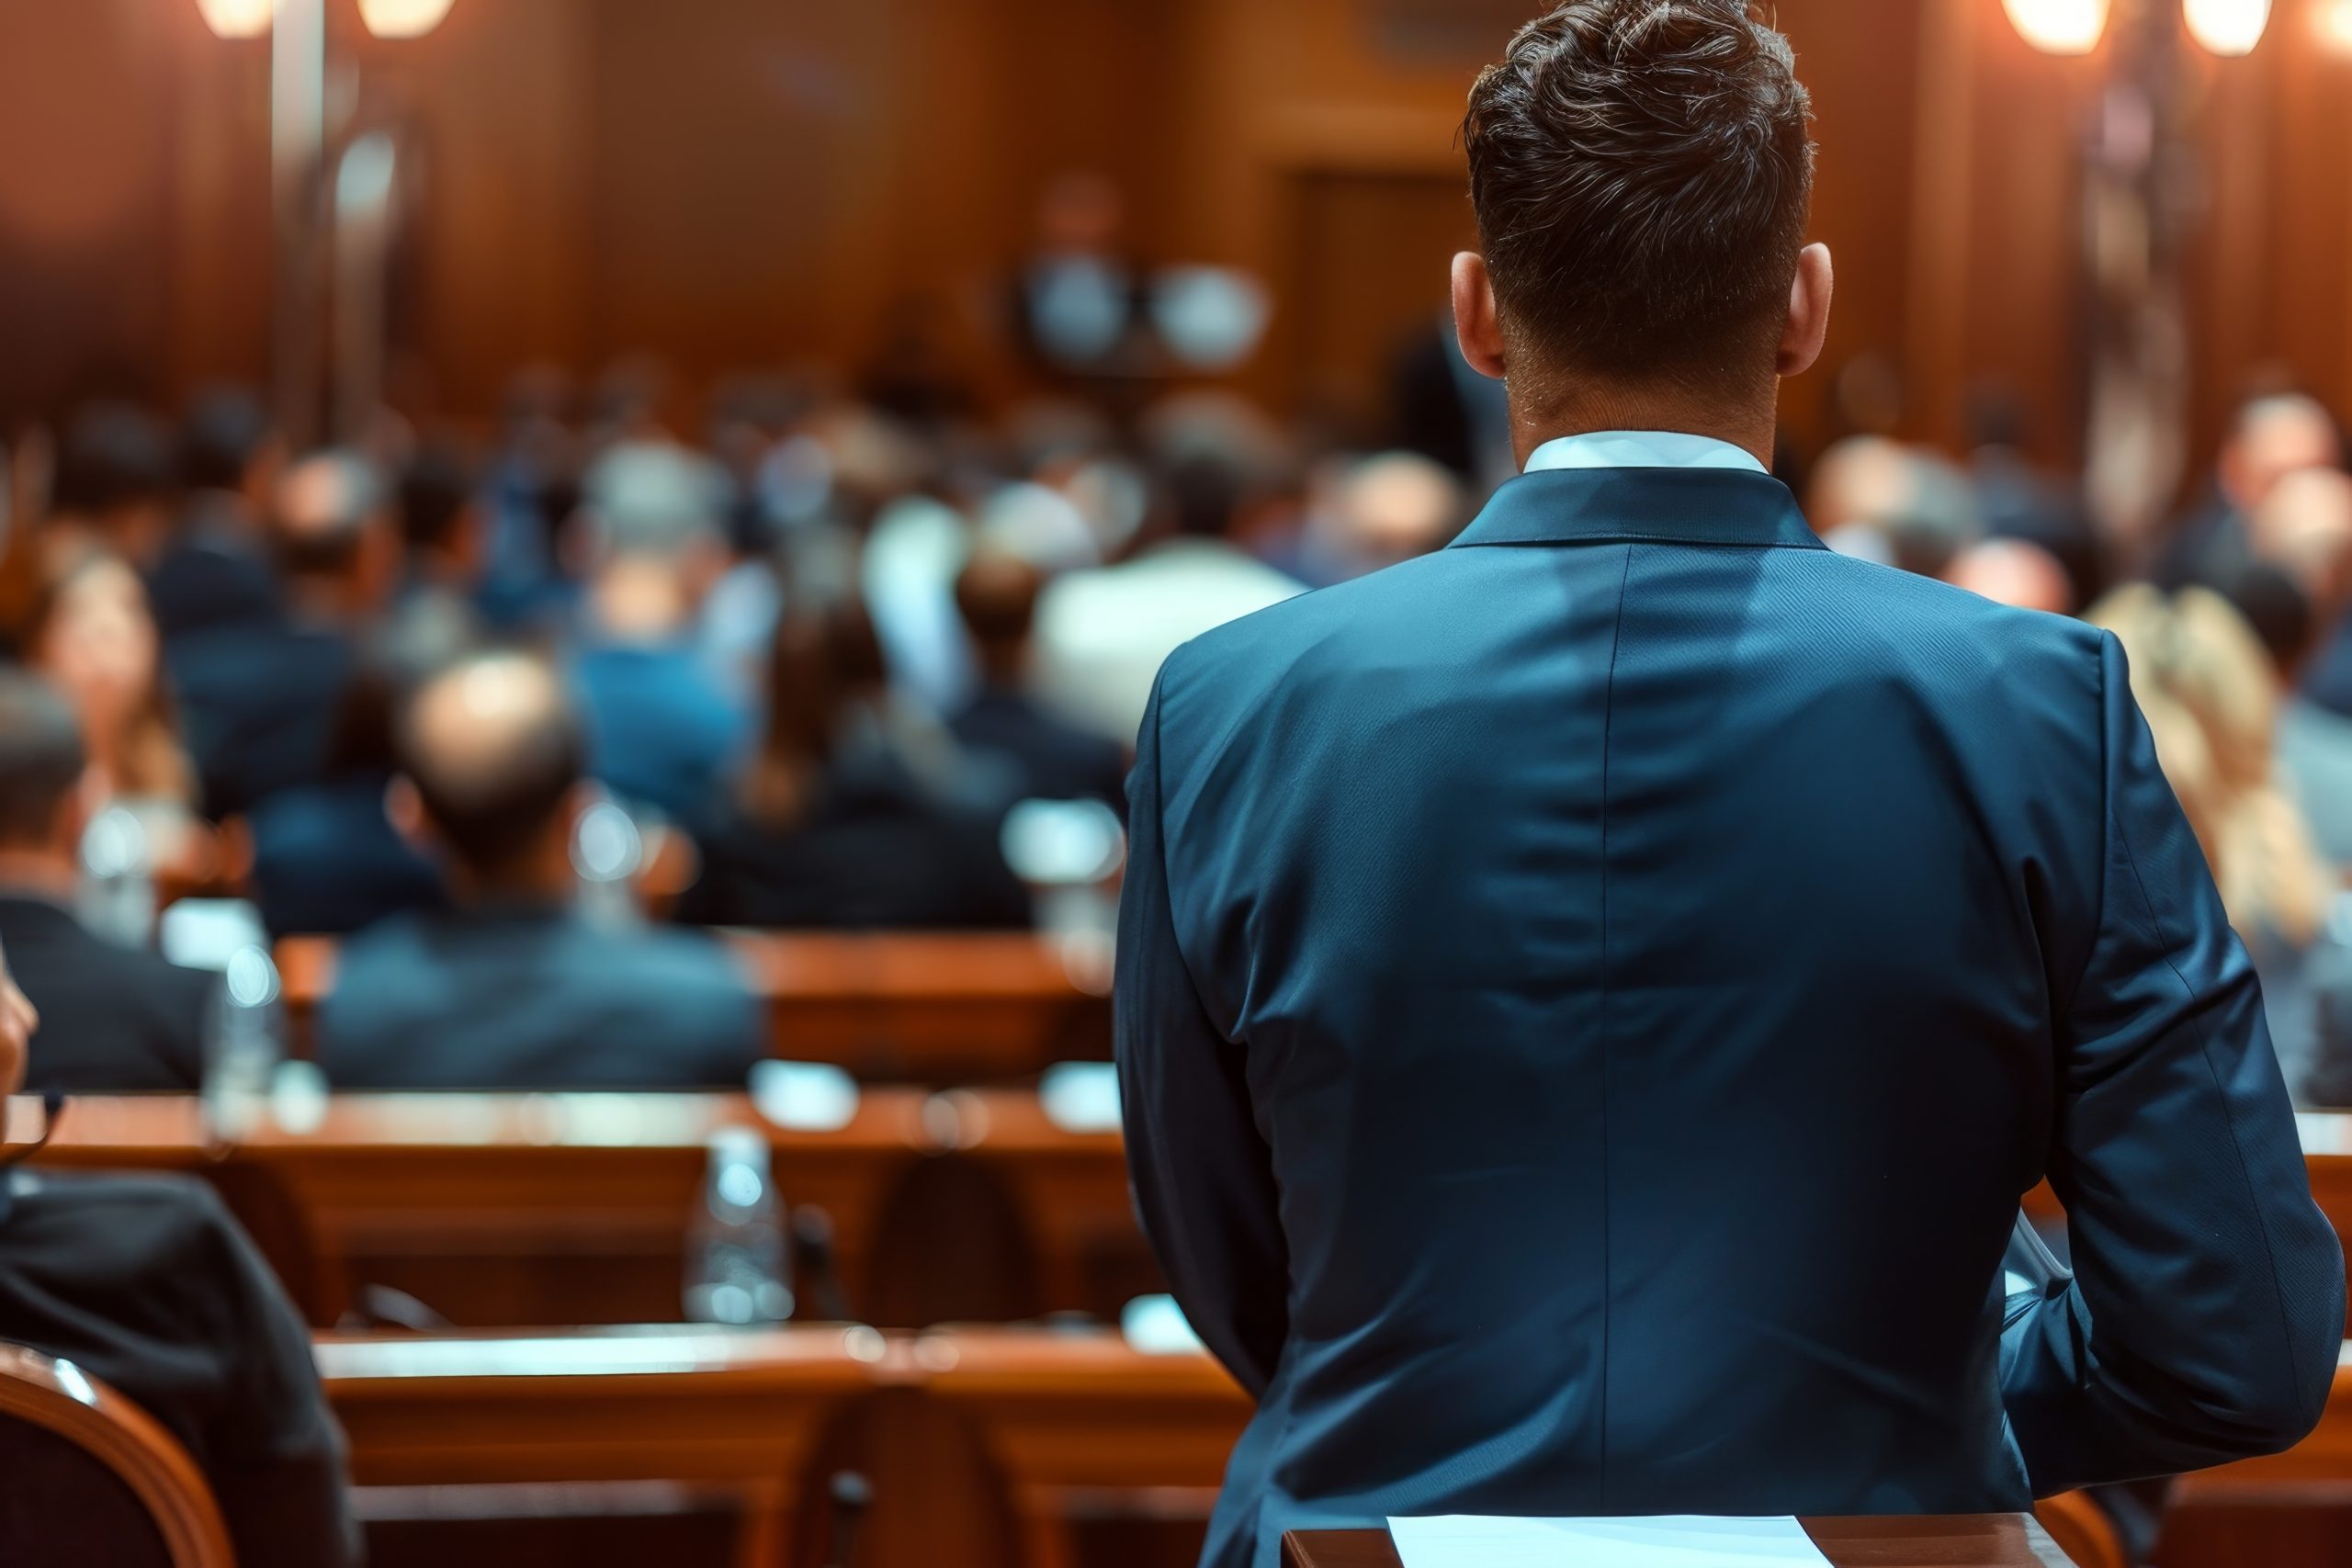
{"points": [[1590, 1000]]}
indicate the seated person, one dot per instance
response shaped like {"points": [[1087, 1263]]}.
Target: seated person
{"points": [[213, 568], [665, 726], [261, 694], [515, 990], [147, 1284], [119, 1021], [850, 816], [327, 860], [997, 595], [90, 633]]}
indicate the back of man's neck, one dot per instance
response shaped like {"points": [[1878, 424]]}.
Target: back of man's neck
{"points": [[1592, 409], [49, 873]]}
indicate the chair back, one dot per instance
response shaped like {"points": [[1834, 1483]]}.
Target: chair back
{"points": [[87, 1477], [2082, 1531]]}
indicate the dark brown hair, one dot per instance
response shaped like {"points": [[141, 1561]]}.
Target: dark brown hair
{"points": [[825, 659], [1642, 171]]}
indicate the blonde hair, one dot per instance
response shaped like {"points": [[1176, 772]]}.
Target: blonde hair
{"points": [[2211, 698]]}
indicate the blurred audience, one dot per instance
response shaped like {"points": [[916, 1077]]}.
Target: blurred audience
{"points": [[2014, 572], [852, 812], [835, 649], [2271, 437], [260, 693], [148, 1285], [2195, 657], [116, 1020], [114, 484], [997, 596], [1102, 633], [516, 988], [326, 858], [435, 613], [665, 725], [214, 569], [92, 634]]}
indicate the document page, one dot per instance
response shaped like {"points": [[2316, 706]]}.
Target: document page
{"points": [[1464, 1540]]}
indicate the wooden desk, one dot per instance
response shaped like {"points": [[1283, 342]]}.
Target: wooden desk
{"points": [[1070, 1418], [935, 1010], [1967, 1541], [742, 1412], [503, 1210]]}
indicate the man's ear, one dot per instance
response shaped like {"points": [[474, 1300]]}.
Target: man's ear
{"points": [[1808, 323], [1476, 324], [405, 810]]}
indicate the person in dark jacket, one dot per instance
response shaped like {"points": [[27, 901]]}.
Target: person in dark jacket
{"points": [[1051, 760], [515, 988], [147, 1284], [118, 1020], [851, 816]]}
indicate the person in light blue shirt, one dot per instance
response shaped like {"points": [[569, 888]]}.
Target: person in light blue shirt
{"points": [[666, 727]]}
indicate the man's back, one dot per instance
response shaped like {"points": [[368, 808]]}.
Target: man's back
{"points": [[665, 733], [113, 1021], [1601, 991], [535, 998], [145, 1283], [260, 699]]}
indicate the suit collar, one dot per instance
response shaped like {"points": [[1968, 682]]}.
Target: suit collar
{"points": [[1616, 506], [26, 913]]}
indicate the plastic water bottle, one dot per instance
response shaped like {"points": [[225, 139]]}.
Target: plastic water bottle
{"points": [[118, 890], [248, 1043], [735, 1266]]}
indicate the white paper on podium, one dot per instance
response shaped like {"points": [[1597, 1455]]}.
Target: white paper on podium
{"points": [[1465, 1541]]}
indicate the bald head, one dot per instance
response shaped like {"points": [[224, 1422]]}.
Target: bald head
{"points": [[2012, 572], [2273, 437], [1398, 505], [2305, 528], [495, 752]]}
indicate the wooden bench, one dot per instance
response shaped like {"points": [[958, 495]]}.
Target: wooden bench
{"points": [[937, 1010], [500, 1210], [744, 1413]]}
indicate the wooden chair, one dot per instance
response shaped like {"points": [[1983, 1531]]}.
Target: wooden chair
{"points": [[1077, 1422], [2082, 1531], [87, 1476]]}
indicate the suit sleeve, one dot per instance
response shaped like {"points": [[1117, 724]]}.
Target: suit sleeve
{"points": [[2207, 1307], [1203, 1174], [277, 1459]]}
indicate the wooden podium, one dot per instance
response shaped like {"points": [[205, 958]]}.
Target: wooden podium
{"points": [[1965, 1541]]}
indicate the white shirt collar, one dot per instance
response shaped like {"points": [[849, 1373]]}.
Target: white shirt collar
{"points": [[1641, 449]]}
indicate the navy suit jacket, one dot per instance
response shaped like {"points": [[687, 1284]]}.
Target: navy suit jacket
{"points": [[1591, 1000], [524, 998]]}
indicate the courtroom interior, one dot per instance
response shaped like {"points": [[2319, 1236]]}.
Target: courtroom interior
{"points": [[578, 584]]}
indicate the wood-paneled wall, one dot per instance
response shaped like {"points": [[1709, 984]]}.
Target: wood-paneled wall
{"points": [[732, 183]]}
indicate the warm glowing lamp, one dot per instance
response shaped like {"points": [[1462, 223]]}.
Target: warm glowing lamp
{"points": [[2228, 27], [404, 18], [2059, 27], [237, 19], [2331, 19]]}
